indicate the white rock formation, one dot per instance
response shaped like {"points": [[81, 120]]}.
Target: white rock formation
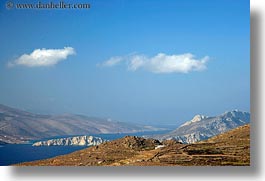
{"points": [[203, 127], [72, 141], [196, 118]]}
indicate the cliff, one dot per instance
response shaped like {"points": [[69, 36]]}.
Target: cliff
{"points": [[72, 141]]}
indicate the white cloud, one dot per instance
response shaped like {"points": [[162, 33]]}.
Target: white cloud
{"points": [[161, 63], [43, 57], [112, 61]]}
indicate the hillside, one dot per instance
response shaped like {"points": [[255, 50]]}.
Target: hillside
{"points": [[17, 126], [230, 148], [203, 127]]}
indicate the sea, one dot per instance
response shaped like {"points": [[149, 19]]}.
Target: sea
{"points": [[19, 153]]}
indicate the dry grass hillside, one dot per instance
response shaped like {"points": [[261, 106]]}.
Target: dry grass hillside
{"points": [[230, 148]]}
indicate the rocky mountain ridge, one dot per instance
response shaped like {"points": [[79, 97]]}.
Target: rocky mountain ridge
{"points": [[203, 127], [196, 118]]}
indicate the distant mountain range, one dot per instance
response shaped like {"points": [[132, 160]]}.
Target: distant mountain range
{"points": [[17, 126], [203, 127]]}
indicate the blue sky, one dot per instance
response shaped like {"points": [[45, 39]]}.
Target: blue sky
{"points": [[140, 86]]}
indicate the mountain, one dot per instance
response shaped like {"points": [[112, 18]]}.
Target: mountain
{"points": [[17, 126], [203, 127], [72, 141], [230, 148]]}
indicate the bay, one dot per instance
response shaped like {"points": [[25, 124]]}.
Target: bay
{"points": [[18, 153]]}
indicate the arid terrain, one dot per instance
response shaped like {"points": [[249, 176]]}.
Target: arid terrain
{"points": [[229, 148]]}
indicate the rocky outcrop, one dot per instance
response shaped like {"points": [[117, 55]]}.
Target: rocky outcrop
{"points": [[203, 127], [72, 141], [138, 143]]}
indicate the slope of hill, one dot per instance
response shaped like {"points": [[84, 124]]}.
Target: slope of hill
{"points": [[203, 127], [17, 126], [230, 148]]}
